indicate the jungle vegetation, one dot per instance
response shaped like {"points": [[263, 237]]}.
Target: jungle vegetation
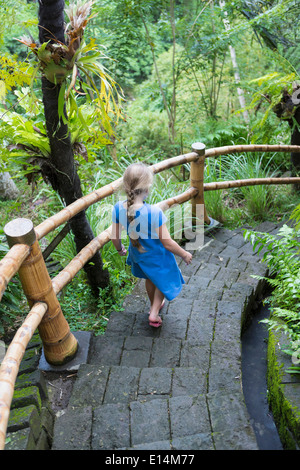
{"points": [[86, 88]]}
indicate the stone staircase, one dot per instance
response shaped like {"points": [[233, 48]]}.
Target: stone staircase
{"points": [[180, 386]]}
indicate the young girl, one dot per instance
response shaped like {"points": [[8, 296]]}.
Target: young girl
{"points": [[151, 250]]}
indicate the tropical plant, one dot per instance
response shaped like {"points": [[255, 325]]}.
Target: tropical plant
{"points": [[281, 254], [60, 58]]}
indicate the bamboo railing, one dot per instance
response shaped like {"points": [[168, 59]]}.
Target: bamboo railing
{"points": [[25, 257]]}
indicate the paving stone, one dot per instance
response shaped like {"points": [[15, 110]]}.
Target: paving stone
{"points": [[122, 385], [201, 328], [189, 292], [238, 263], [228, 308], [137, 351], [181, 306], [149, 421], [230, 422], [219, 259], [89, 387], [225, 366], [188, 415], [237, 241], [214, 246], [155, 381], [239, 290], [175, 326], [195, 354], [79, 420], [190, 269], [120, 323], [218, 284], [201, 283], [201, 441], [231, 275], [229, 252], [209, 296], [25, 417], [208, 270], [189, 381], [134, 303], [160, 445], [111, 427], [223, 235], [141, 326], [202, 255], [165, 352], [106, 350]]}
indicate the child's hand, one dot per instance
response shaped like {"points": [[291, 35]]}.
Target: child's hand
{"points": [[122, 251], [187, 257]]}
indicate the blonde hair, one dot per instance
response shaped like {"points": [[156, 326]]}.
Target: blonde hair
{"points": [[137, 179]]}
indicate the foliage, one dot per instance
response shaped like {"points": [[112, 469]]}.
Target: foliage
{"points": [[12, 74], [86, 313], [281, 254], [199, 75], [63, 63], [10, 305]]}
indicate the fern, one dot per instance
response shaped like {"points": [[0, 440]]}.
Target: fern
{"points": [[281, 254]]}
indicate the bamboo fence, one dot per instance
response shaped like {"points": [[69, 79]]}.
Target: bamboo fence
{"points": [[19, 254], [11, 363], [248, 182]]}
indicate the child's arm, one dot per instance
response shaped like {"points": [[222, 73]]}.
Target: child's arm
{"points": [[116, 239], [171, 245]]}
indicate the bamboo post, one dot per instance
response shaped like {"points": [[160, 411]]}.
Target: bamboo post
{"points": [[60, 345], [196, 181]]}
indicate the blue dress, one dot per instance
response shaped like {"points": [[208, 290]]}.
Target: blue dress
{"points": [[156, 262]]}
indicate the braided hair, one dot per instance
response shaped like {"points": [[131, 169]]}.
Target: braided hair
{"points": [[137, 179]]}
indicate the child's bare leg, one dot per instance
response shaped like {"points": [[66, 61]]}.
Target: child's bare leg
{"points": [[155, 307], [150, 288]]}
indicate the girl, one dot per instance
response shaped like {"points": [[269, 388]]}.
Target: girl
{"points": [[151, 250]]}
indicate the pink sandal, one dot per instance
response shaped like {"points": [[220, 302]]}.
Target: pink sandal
{"points": [[157, 324]]}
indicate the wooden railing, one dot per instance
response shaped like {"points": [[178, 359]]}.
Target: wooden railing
{"points": [[25, 257]]}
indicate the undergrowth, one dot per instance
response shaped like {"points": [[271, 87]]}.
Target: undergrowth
{"points": [[281, 253]]}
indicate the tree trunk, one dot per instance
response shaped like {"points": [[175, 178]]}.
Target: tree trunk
{"points": [[240, 91], [62, 173], [285, 109]]}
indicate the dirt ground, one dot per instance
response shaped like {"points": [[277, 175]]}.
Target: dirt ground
{"points": [[59, 386]]}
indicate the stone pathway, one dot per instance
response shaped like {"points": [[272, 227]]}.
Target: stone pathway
{"points": [[178, 387]]}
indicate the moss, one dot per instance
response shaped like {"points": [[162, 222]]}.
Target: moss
{"points": [[27, 396], [284, 398]]}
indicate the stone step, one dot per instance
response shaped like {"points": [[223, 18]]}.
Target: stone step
{"points": [[185, 422], [100, 385]]}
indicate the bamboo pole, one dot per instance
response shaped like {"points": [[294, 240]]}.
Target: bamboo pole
{"points": [[196, 181], [249, 182], [179, 199], [70, 211], [215, 152], [77, 263], [83, 203], [10, 264], [11, 362], [59, 343]]}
